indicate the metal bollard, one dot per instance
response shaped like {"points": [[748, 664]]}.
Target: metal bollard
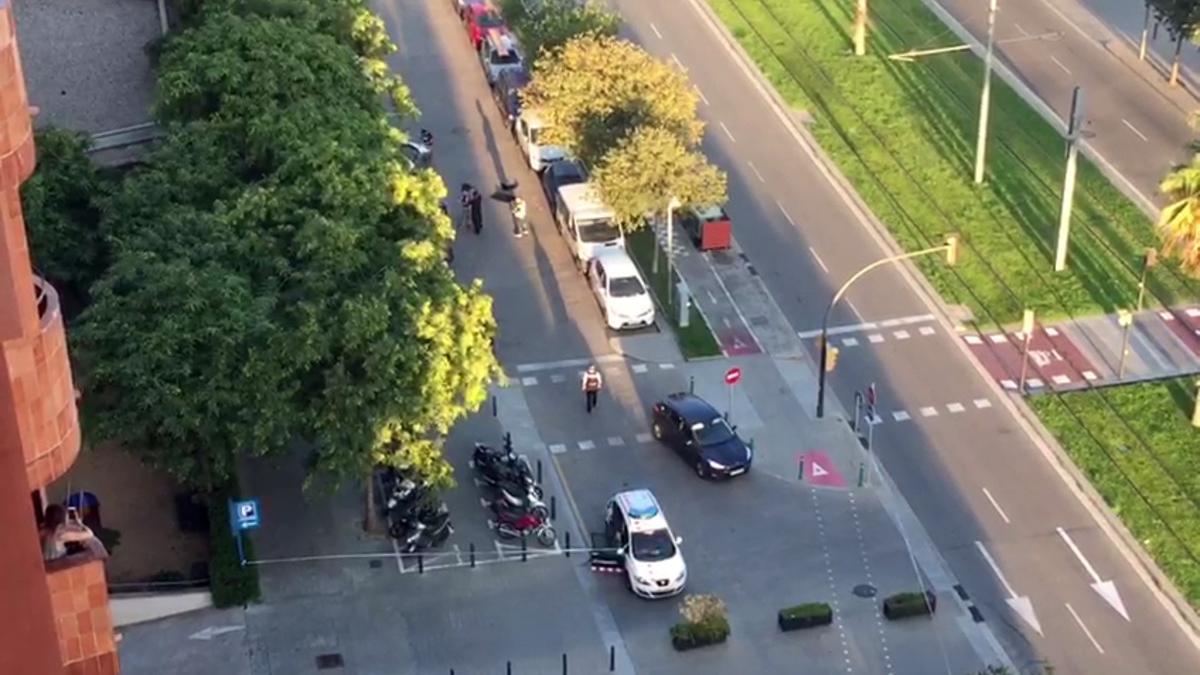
{"points": [[553, 507], [862, 471], [508, 668], [692, 384], [420, 563], [524, 550], [564, 663], [612, 659], [567, 536], [508, 440], [472, 555], [494, 406], [539, 472]]}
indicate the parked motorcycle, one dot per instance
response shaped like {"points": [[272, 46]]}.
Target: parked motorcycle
{"points": [[407, 494], [486, 456], [425, 526], [511, 523], [514, 496]]}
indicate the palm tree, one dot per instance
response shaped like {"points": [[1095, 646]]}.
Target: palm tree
{"points": [[1179, 221]]}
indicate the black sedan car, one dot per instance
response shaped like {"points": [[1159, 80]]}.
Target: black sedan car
{"points": [[700, 434], [560, 173]]}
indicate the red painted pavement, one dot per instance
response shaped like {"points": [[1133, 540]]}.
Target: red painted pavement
{"points": [[1054, 360], [1185, 323], [818, 469], [736, 340]]}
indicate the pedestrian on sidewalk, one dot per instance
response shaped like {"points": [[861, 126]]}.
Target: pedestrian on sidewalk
{"points": [[591, 386], [476, 211], [518, 214], [464, 203]]}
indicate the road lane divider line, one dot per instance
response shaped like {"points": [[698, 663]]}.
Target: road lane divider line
{"points": [[756, 172], [655, 29], [1134, 129], [996, 505], [1022, 31], [677, 61], [785, 213], [820, 262], [1020, 604], [1084, 628], [727, 131], [700, 94], [1060, 64], [1107, 590]]}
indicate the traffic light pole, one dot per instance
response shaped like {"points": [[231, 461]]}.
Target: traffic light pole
{"points": [[950, 247]]}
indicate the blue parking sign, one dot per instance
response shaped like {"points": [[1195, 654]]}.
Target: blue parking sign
{"points": [[244, 514]]}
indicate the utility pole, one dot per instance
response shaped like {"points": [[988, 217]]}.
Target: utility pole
{"points": [[671, 206], [860, 28], [986, 97], [1125, 318], [1027, 326], [1068, 198], [1145, 32]]}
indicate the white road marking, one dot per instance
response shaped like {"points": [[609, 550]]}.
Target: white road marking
{"points": [[868, 325], [1035, 383], [712, 297], [901, 335], [955, 407], [849, 342], [756, 173], [655, 29], [568, 363], [900, 415], [557, 378], [727, 132], [1051, 331], [639, 368], [1060, 64], [1020, 30], [666, 366], [1019, 603], [875, 338], [644, 437], [1008, 384], [1086, 632], [785, 213], [1107, 590], [528, 381], [399, 558], [973, 339], [1089, 375], [587, 445], [701, 95], [929, 411], [982, 403], [998, 338], [820, 262], [676, 60], [557, 448], [1134, 129], [614, 441], [996, 505], [728, 323], [927, 330], [850, 304], [1061, 379]]}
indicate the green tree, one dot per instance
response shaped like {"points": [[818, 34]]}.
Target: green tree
{"points": [[61, 203], [1179, 221], [546, 25], [1182, 18], [595, 91], [650, 166]]}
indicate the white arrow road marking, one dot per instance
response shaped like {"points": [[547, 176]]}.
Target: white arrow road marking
{"points": [[1105, 589], [818, 470], [1019, 603], [213, 631]]}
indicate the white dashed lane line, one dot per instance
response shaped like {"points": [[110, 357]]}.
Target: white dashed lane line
{"points": [[655, 29]]}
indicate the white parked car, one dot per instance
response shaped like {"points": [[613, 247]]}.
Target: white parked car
{"points": [[620, 290], [635, 525]]}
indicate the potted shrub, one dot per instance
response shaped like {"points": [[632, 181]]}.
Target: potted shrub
{"points": [[704, 623], [907, 604], [805, 616]]}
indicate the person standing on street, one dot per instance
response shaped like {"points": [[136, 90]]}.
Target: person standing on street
{"points": [[591, 386], [476, 211], [464, 202], [518, 215]]}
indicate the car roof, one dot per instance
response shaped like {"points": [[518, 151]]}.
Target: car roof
{"points": [[501, 40], [692, 408], [565, 167], [583, 201], [517, 78], [617, 263], [641, 510]]}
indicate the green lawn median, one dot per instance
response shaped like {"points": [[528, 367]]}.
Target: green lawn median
{"points": [[696, 340], [904, 134], [1146, 466]]}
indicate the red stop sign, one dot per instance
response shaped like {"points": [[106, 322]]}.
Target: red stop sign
{"points": [[733, 375]]}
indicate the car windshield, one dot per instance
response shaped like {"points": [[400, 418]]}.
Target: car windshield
{"points": [[490, 20], [598, 232], [652, 546], [535, 136], [625, 287], [715, 432], [507, 58]]}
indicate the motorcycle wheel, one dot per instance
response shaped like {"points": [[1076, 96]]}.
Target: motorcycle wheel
{"points": [[536, 491], [396, 531], [546, 536], [540, 511]]}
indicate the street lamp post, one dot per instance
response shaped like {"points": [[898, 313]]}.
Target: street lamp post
{"points": [[1149, 259], [951, 250], [671, 206], [986, 97]]}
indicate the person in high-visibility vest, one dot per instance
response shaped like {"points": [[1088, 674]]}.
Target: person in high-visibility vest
{"points": [[591, 386], [518, 214]]}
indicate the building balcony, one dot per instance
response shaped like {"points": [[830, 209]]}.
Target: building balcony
{"points": [[44, 393], [82, 619], [16, 126]]}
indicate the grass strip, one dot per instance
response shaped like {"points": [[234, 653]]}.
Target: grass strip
{"points": [[696, 339]]}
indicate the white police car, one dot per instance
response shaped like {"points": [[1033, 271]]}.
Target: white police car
{"points": [[645, 546]]}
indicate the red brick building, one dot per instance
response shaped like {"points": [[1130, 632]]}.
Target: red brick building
{"points": [[54, 617]]}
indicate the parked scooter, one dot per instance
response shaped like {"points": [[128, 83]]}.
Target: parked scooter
{"points": [[405, 494], [512, 523], [514, 496], [423, 526]]}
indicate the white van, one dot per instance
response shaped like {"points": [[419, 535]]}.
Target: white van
{"points": [[619, 290], [528, 128], [586, 222]]}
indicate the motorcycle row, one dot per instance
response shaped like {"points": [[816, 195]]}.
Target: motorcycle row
{"points": [[417, 518], [514, 497]]}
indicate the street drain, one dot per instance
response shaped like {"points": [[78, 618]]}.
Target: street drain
{"points": [[375, 564], [865, 591], [329, 661]]}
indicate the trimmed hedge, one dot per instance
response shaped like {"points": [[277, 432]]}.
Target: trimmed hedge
{"points": [[902, 605], [686, 635], [231, 583], [808, 615]]}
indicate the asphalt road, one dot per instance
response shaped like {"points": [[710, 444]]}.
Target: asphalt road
{"points": [[1133, 120], [969, 480]]}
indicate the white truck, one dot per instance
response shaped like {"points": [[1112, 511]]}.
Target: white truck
{"points": [[586, 222]]}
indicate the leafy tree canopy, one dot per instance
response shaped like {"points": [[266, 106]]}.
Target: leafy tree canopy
{"points": [[1179, 221], [596, 90], [648, 167], [547, 25], [61, 203], [1181, 17]]}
